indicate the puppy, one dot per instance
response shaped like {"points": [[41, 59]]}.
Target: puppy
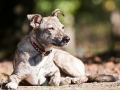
{"points": [[36, 59], [34, 55]]}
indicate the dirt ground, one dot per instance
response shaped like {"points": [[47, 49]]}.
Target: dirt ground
{"points": [[94, 64], [84, 86]]}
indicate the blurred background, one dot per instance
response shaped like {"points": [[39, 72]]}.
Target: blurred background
{"points": [[93, 25]]}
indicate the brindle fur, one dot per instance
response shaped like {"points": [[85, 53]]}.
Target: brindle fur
{"points": [[29, 64], [34, 67]]}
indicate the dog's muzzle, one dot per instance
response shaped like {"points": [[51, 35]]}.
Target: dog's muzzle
{"points": [[62, 42], [65, 39]]}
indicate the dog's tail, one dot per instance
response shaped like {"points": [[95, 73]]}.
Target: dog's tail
{"points": [[101, 78]]}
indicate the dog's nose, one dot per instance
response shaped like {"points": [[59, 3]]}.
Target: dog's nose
{"points": [[66, 39]]}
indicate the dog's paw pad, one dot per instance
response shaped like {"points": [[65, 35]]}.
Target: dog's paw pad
{"points": [[12, 85]]}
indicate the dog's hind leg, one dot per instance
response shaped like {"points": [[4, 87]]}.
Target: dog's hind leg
{"points": [[73, 80], [79, 80]]}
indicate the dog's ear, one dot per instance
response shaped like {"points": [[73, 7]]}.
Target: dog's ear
{"points": [[56, 11], [34, 19]]}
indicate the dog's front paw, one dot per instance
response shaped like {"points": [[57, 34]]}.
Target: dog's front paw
{"points": [[12, 85], [65, 81], [54, 82]]}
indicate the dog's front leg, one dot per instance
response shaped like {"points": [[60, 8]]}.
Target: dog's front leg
{"points": [[55, 79], [13, 81], [17, 76]]}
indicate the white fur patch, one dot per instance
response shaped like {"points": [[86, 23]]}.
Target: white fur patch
{"points": [[34, 79], [44, 58], [12, 85], [80, 66]]}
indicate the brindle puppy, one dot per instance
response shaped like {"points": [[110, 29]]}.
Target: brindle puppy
{"points": [[34, 55], [35, 58]]}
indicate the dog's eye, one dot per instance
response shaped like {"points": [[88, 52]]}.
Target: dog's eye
{"points": [[63, 27], [51, 28]]}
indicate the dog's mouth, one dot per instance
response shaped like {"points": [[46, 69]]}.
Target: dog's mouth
{"points": [[54, 44], [59, 45]]}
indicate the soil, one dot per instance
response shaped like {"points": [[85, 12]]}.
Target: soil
{"points": [[94, 64], [84, 86]]}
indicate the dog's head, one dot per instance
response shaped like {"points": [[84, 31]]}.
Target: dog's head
{"points": [[49, 31]]}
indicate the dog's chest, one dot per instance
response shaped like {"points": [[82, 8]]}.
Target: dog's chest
{"points": [[37, 73]]}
